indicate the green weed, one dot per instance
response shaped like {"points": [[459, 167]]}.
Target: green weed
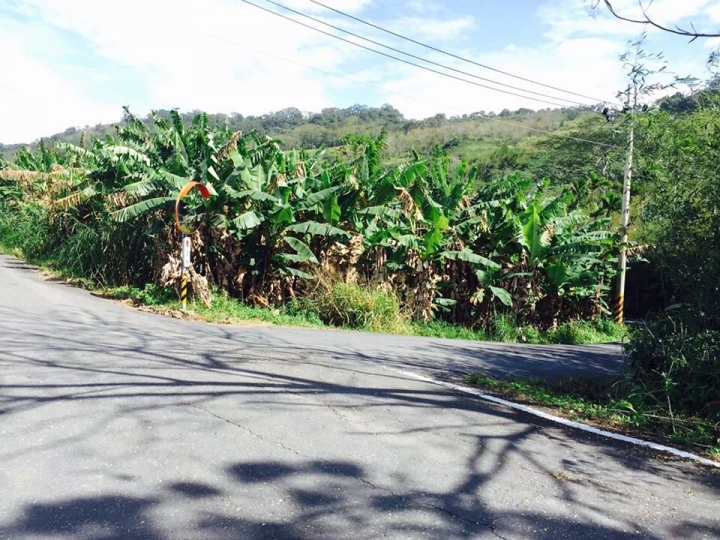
{"points": [[442, 329], [227, 309], [585, 332], [25, 229], [505, 329], [354, 306], [611, 404], [151, 295]]}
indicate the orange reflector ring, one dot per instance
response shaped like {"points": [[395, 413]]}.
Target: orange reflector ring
{"points": [[183, 192]]}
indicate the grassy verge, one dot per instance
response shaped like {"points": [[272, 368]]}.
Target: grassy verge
{"points": [[223, 310], [613, 406], [505, 330], [341, 306], [373, 314]]}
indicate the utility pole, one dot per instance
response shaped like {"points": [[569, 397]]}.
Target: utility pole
{"points": [[625, 215]]}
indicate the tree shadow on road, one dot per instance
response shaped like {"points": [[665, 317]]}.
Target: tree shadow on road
{"points": [[122, 369], [318, 499]]}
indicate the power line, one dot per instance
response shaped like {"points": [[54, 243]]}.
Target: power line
{"points": [[457, 57], [401, 59], [406, 96], [438, 64]]}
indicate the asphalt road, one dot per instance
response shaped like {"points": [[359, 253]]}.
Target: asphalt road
{"points": [[116, 424]]}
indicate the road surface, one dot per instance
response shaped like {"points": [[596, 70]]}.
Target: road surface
{"points": [[117, 424]]}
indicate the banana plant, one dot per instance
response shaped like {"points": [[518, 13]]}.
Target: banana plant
{"points": [[433, 229]]}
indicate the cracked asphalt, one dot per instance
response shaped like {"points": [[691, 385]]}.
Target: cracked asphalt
{"points": [[117, 424]]}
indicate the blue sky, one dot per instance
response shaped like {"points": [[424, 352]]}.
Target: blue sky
{"points": [[77, 62]]}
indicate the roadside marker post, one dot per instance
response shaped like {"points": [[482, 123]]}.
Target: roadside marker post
{"points": [[186, 247], [186, 242]]}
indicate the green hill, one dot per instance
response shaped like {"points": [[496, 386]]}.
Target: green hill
{"points": [[523, 140], [469, 136]]}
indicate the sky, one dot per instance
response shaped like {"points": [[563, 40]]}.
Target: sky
{"points": [[72, 63]]}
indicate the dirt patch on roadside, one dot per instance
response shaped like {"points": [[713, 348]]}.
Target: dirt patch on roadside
{"points": [[178, 314]]}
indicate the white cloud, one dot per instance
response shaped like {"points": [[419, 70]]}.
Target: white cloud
{"points": [[177, 49], [586, 66], [423, 6], [568, 21], [433, 29], [34, 99], [167, 36], [671, 12], [225, 56], [569, 18], [714, 13], [348, 6], [713, 43]]}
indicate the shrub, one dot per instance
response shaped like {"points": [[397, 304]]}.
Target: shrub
{"points": [[303, 307], [107, 252], [437, 328], [26, 228], [531, 334], [505, 329], [573, 333], [677, 368], [354, 306], [584, 332]]}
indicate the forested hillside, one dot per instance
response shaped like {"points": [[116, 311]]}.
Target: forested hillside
{"points": [[470, 136], [510, 141]]}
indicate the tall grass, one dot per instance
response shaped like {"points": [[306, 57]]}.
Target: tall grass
{"points": [[353, 306], [101, 250], [25, 228], [506, 329]]}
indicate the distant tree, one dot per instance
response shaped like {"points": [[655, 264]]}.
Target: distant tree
{"points": [[571, 114], [311, 136], [391, 114], [361, 111], [326, 117], [436, 121], [678, 102], [282, 119], [220, 119]]}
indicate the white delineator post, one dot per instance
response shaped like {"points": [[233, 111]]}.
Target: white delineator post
{"points": [[186, 246]]}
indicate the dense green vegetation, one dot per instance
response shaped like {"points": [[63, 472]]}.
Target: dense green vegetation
{"points": [[442, 240], [677, 354]]}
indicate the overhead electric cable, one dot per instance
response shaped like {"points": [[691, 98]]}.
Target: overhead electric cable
{"points": [[406, 96], [438, 64], [456, 56], [400, 59]]}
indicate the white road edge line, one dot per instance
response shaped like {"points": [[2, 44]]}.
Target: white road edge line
{"points": [[559, 420]]}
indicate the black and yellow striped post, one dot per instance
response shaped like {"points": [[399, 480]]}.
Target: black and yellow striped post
{"points": [[619, 309], [184, 291]]}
